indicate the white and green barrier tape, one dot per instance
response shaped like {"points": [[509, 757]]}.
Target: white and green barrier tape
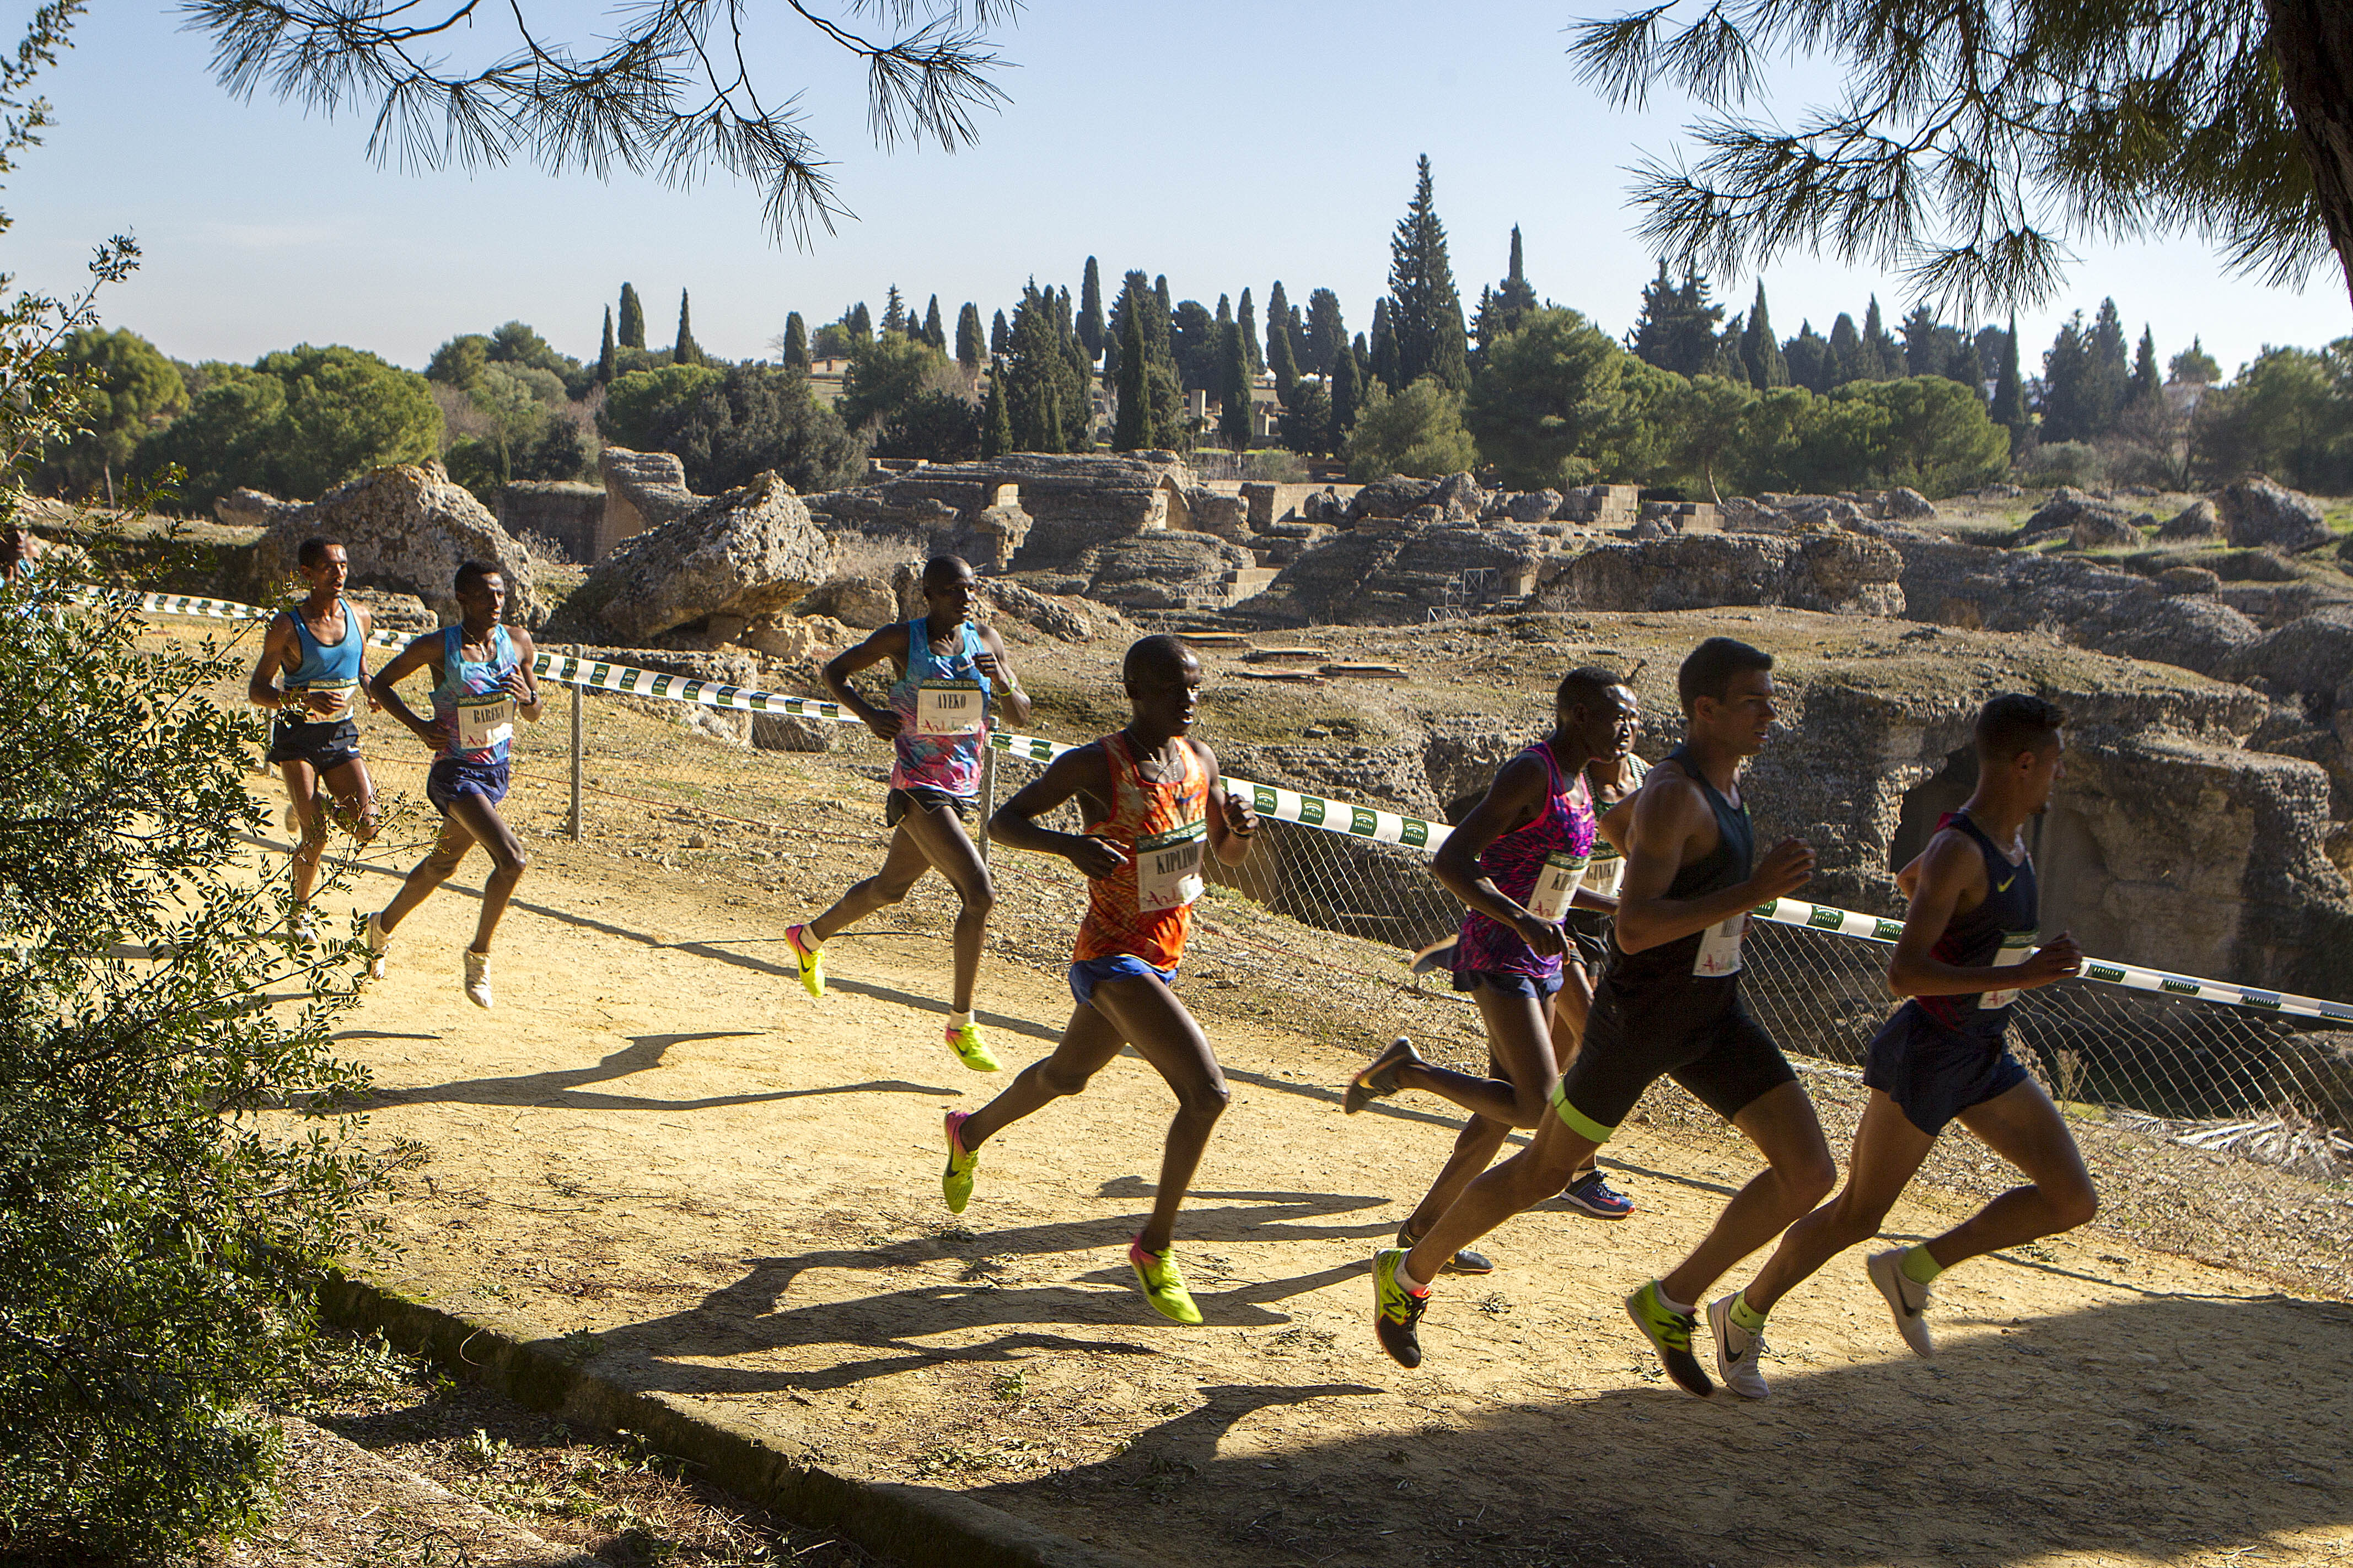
{"points": [[1342, 818]]}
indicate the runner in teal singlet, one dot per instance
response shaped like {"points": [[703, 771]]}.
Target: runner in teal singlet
{"points": [[951, 673]]}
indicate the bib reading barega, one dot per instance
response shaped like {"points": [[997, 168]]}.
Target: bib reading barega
{"points": [[484, 721], [2015, 947], [948, 708], [1168, 868], [1719, 948], [1556, 883]]}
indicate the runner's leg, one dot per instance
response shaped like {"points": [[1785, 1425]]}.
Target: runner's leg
{"points": [[2024, 1128], [355, 796], [1521, 1038], [1798, 1173], [302, 789], [1570, 1006], [1482, 1138], [1089, 1042], [903, 868], [508, 860], [940, 834], [440, 863], [1150, 1017], [1519, 1184], [1887, 1151]]}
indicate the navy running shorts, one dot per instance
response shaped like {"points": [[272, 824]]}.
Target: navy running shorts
{"points": [[1705, 1040], [454, 776], [1088, 973], [1537, 989], [325, 745], [899, 802], [1932, 1074]]}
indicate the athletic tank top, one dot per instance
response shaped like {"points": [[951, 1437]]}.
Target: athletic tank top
{"points": [[325, 666], [473, 695], [1608, 868], [1145, 908], [1999, 932], [943, 706], [1538, 865], [1706, 958]]}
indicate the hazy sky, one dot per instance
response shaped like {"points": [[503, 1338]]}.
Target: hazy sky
{"points": [[1225, 144]]}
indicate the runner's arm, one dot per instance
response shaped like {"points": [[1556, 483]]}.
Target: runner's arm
{"points": [[425, 653], [1670, 815], [1616, 824], [523, 682], [886, 642], [367, 630], [261, 687], [1083, 770], [999, 670], [1510, 803], [1232, 821], [1953, 882]]}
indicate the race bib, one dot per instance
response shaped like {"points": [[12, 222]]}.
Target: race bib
{"points": [[2016, 946], [948, 708], [1168, 868], [1556, 884], [485, 721], [1604, 873], [1719, 948], [299, 698]]}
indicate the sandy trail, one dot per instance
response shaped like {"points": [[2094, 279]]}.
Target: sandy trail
{"points": [[658, 1139]]}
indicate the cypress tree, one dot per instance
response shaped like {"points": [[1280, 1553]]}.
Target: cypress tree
{"points": [[1091, 310], [2111, 371], [1347, 394], [2009, 394], [1923, 354], [1233, 387], [797, 349], [1160, 292], [688, 351], [1425, 311], [1282, 321], [633, 319], [604, 355], [860, 325], [1843, 362], [1000, 336], [1131, 429], [2067, 407], [1961, 365], [971, 345], [935, 332], [1327, 333], [1882, 356], [1760, 350], [894, 313], [1385, 349], [1246, 318], [996, 428], [1279, 357], [1517, 297]]}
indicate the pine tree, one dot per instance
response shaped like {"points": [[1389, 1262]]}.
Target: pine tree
{"points": [[996, 428], [1091, 310], [633, 319], [2067, 402], [1131, 426], [2110, 372], [935, 331], [1327, 333], [2193, 366], [797, 349], [1760, 350], [1233, 387], [604, 356], [2146, 384], [1384, 350], [861, 324], [1246, 318], [1923, 352], [1347, 396], [1677, 328], [1425, 310], [2009, 394], [1000, 336], [688, 351], [894, 313], [970, 346], [1807, 357]]}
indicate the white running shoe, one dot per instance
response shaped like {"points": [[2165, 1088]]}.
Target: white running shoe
{"points": [[300, 930], [377, 939], [1737, 1367], [478, 978], [1907, 1299]]}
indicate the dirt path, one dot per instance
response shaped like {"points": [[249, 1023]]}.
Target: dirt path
{"points": [[657, 1140]]}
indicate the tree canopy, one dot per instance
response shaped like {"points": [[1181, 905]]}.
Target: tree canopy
{"points": [[296, 423]]}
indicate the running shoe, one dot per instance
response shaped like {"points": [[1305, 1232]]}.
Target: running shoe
{"points": [[1397, 1312], [300, 930], [1464, 1262], [478, 978], [1670, 1333], [811, 960], [377, 939], [956, 1181], [1906, 1298], [1592, 1194], [1379, 1080], [1736, 1350], [964, 1040], [1163, 1282]]}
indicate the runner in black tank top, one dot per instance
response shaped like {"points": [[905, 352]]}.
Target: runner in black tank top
{"points": [[1669, 1003], [1966, 952]]}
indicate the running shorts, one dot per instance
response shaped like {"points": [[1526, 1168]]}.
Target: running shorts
{"points": [[1090, 972], [454, 776], [899, 802], [323, 746], [1538, 988], [1723, 1056], [1932, 1074]]}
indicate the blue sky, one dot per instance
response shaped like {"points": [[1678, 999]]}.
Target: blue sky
{"points": [[1224, 144]]}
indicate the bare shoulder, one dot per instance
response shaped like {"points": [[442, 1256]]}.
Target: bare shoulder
{"points": [[1207, 758]]}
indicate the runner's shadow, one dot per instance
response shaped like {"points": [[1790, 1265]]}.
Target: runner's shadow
{"points": [[566, 1088]]}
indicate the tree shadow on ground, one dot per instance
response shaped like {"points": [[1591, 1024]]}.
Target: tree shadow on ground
{"points": [[567, 1086]]}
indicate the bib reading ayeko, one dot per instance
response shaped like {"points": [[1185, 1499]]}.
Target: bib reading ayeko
{"points": [[2017, 946], [949, 707], [1168, 868], [1556, 883], [1719, 948]]}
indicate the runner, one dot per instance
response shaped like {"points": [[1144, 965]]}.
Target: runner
{"points": [[1151, 797], [1669, 1003], [949, 672], [1945, 1055], [313, 663], [20, 555], [482, 682], [1517, 862]]}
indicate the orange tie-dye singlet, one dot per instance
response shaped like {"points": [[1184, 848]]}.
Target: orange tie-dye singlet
{"points": [[1145, 908]]}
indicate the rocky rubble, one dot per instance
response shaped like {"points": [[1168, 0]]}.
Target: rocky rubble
{"points": [[407, 528], [750, 553], [1839, 573], [2258, 512]]}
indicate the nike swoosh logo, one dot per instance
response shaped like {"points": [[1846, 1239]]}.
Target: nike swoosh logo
{"points": [[2004, 887]]}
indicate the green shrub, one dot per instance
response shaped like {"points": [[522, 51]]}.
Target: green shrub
{"points": [[2077, 463]]}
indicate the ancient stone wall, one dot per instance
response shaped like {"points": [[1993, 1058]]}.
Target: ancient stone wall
{"points": [[642, 491], [570, 516], [1839, 573]]}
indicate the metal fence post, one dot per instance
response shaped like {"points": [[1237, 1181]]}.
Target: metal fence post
{"points": [[988, 797], [579, 710]]}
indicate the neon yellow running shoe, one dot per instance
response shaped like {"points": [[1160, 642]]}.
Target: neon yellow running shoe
{"points": [[1163, 1282], [810, 958], [956, 1181], [964, 1040]]}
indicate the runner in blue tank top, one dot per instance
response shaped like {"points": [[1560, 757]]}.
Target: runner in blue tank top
{"points": [[951, 673], [482, 682], [1966, 952], [312, 675], [1517, 862]]}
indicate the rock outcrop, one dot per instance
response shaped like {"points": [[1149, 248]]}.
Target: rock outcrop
{"points": [[1026, 511], [750, 553], [1385, 571], [642, 491], [2258, 512], [2197, 522], [570, 517], [1165, 570], [408, 528], [1841, 573]]}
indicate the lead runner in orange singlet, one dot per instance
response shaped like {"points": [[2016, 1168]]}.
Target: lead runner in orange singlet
{"points": [[1153, 803]]}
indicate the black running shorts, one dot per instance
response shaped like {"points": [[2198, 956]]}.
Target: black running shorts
{"points": [[1713, 1048], [899, 802], [323, 746]]}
